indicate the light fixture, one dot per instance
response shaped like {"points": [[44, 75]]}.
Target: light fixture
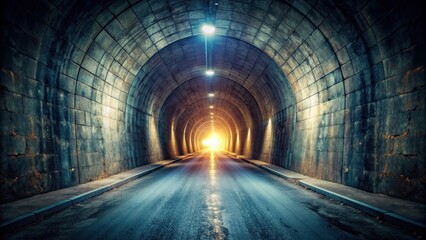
{"points": [[209, 72], [211, 113], [208, 29], [211, 94], [211, 106]]}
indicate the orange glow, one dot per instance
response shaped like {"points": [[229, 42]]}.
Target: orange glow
{"points": [[214, 142]]}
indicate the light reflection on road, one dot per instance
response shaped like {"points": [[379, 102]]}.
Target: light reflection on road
{"points": [[213, 200]]}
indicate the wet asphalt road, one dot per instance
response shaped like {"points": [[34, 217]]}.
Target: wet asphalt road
{"points": [[208, 197]]}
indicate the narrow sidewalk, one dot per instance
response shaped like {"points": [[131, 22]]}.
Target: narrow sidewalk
{"points": [[394, 210], [25, 211]]}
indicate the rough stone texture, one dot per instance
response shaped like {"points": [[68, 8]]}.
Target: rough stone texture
{"points": [[331, 89]]}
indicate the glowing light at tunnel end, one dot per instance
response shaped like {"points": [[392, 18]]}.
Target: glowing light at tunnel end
{"points": [[213, 142], [209, 72], [208, 29]]}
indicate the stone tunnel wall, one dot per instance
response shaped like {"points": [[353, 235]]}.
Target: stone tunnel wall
{"points": [[361, 108], [63, 103], [359, 84], [272, 140]]}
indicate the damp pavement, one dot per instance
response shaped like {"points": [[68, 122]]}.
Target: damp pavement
{"points": [[210, 196]]}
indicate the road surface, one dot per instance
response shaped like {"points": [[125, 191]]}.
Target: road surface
{"points": [[209, 196]]}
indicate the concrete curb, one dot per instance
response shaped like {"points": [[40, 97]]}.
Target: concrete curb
{"points": [[374, 211], [39, 214], [367, 208], [364, 207], [400, 220]]}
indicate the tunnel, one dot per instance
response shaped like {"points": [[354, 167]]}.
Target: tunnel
{"points": [[331, 89]]}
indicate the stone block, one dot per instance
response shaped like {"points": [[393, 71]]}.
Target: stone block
{"points": [[9, 81], [82, 103], [292, 17], [326, 27], [69, 100], [85, 76], [352, 84], [105, 40], [347, 70], [5, 122], [337, 42], [361, 63], [417, 123], [71, 69], [84, 90], [105, 17], [305, 29], [310, 13], [29, 87], [7, 53], [369, 38], [298, 56], [158, 7], [21, 125], [91, 173], [342, 56], [11, 102], [83, 132], [32, 107], [127, 18], [336, 90], [324, 52], [44, 163], [373, 11], [333, 78], [397, 126], [330, 64], [80, 118], [292, 64], [25, 65], [318, 72], [312, 89], [28, 45], [312, 58], [323, 96], [32, 146], [77, 54], [12, 145], [141, 9], [409, 148], [337, 104], [392, 85], [388, 24]]}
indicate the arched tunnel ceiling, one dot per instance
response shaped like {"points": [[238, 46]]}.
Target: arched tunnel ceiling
{"points": [[250, 74], [117, 45], [199, 109], [113, 40], [192, 97], [133, 55]]}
